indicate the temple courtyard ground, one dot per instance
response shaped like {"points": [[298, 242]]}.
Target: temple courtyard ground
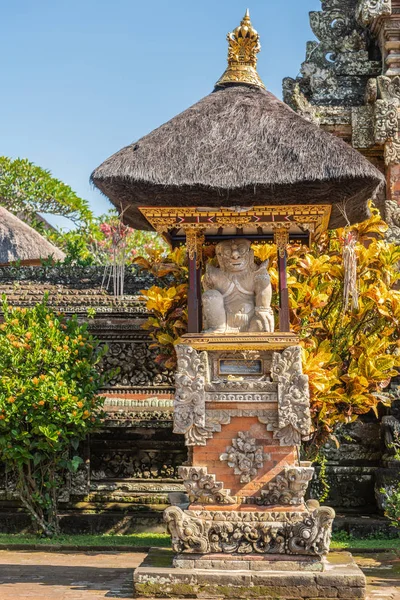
{"points": [[96, 575]]}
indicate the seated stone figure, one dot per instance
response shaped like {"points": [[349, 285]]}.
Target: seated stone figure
{"points": [[238, 293]]}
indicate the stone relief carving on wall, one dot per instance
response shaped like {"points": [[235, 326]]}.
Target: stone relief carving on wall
{"points": [[136, 365], [363, 126], [289, 387], [368, 10], [392, 152], [244, 456], [287, 488], [386, 121], [202, 487], [298, 533], [294, 422], [377, 122], [189, 405], [136, 463], [337, 66], [392, 218]]}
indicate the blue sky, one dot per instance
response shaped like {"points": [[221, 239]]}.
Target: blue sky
{"points": [[82, 78]]}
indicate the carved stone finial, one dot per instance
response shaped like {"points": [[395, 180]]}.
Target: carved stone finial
{"points": [[244, 45]]}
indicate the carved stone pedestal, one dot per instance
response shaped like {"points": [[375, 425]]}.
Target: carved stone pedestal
{"points": [[156, 577], [242, 403]]}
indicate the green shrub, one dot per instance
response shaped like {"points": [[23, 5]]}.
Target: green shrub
{"points": [[48, 403], [392, 504]]}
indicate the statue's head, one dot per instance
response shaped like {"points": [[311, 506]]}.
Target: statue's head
{"points": [[235, 255]]}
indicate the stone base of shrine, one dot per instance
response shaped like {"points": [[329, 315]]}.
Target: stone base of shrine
{"points": [[338, 577]]}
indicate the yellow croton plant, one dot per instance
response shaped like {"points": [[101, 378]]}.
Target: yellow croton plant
{"points": [[350, 356]]}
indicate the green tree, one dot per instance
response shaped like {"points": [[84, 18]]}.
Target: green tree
{"points": [[27, 189], [49, 402]]}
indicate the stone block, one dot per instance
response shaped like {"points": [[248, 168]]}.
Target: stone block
{"points": [[339, 581], [182, 563], [327, 592], [291, 578], [284, 565], [223, 565], [349, 593], [236, 579]]}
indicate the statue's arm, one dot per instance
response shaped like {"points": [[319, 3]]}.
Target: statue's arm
{"points": [[262, 286], [209, 277]]}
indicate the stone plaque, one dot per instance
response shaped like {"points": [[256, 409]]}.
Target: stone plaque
{"points": [[239, 367]]}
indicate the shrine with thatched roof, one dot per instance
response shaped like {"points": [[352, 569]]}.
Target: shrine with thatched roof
{"points": [[21, 243]]}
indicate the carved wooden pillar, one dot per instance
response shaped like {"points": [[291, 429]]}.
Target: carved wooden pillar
{"points": [[281, 238], [194, 242]]}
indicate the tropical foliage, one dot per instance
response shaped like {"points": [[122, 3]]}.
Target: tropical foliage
{"points": [[350, 356], [167, 302], [48, 403]]}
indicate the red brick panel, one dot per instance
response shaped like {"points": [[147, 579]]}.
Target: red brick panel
{"points": [[276, 457]]}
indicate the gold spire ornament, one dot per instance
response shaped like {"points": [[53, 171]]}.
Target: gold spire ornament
{"points": [[244, 45]]}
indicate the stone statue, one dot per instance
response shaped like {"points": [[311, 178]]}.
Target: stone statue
{"points": [[238, 293]]}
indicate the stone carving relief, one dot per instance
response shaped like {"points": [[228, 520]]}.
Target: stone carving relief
{"points": [[386, 121], [244, 456], [294, 422], [189, 405], [287, 488], [313, 534], [392, 217], [392, 152], [298, 533], [298, 101], [368, 10], [337, 66], [202, 486], [288, 386], [136, 365], [363, 126], [216, 418], [389, 88], [377, 122], [238, 294], [136, 464]]}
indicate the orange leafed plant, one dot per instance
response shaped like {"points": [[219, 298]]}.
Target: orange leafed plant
{"points": [[350, 356]]}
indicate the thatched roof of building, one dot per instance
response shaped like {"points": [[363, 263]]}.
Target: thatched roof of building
{"points": [[20, 242], [240, 146]]}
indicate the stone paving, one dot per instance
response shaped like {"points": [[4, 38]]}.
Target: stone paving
{"points": [[98, 575]]}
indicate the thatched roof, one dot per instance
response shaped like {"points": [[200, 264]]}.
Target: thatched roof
{"points": [[18, 241], [238, 146]]}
